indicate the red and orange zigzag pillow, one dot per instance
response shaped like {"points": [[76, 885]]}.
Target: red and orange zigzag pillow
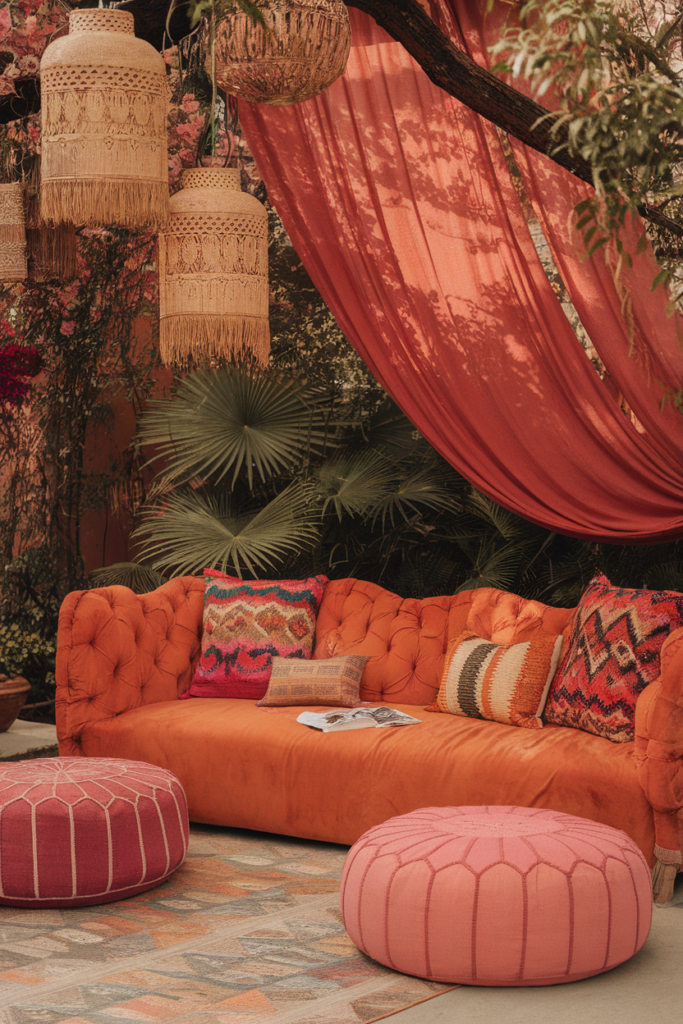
{"points": [[246, 624]]}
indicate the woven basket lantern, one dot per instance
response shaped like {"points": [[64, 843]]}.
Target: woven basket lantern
{"points": [[12, 233], [304, 51], [104, 107], [213, 271]]}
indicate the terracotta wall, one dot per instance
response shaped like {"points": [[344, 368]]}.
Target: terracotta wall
{"points": [[105, 534]]}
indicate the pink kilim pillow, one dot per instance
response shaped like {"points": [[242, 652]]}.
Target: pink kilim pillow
{"points": [[613, 654], [246, 624]]}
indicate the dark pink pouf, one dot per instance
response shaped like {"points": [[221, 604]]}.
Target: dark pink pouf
{"points": [[76, 831], [496, 895]]}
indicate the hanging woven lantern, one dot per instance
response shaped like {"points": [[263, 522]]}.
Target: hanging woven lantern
{"points": [[104, 107], [12, 233], [304, 50], [213, 271]]}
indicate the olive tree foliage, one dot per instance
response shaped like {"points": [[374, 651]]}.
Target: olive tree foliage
{"points": [[613, 69]]}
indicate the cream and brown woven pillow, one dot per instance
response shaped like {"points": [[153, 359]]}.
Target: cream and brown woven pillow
{"points": [[332, 681], [507, 684]]}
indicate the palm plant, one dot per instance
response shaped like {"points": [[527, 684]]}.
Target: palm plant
{"points": [[260, 473], [257, 476]]}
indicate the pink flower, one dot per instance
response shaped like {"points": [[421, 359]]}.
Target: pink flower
{"points": [[189, 104], [5, 21], [67, 294], [29, 28], [190, 132], [67, 328]]}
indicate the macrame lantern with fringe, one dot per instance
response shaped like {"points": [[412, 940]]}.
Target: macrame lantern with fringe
{"points": [[304, 49], [104, 108], [213, 271], [12, 233]]}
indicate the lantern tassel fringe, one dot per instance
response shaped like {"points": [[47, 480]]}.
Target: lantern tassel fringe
{"points": [[100, 202], [52, 252], [203, 338]]}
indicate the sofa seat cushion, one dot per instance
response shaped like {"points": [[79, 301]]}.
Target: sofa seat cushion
{"points": [[258, 768]]}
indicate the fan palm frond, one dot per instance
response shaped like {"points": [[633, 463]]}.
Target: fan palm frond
{"points": [[141, 579], [667, 575], [498, 571], [391, 430], [354, 484], [419, 489], [192, 531], [225, 419], [506, 523]]}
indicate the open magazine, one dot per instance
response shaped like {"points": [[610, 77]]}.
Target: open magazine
{"points": [[355, 718]]}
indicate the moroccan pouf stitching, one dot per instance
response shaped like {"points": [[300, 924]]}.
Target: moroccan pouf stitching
{"points": [[496, 895], [78, 831]]}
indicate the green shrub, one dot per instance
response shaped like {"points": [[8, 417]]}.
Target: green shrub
{"points": [[26, 653]]}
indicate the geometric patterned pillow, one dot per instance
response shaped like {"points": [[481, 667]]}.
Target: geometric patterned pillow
{"points": [[506, 683], [247, 623], [613, 654]]}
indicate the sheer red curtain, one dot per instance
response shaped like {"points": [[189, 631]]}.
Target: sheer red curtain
{"points": [[640, 345], [399, 202]]}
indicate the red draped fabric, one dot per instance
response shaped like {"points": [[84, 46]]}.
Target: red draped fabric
{"points": [[400, 204]]}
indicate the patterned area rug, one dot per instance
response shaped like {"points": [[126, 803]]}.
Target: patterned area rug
{"points": [[247, 930]]}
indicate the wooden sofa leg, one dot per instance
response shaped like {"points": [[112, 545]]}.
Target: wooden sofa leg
{"points": [[667, 866]]}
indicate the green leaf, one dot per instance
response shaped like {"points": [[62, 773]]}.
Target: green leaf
{"points": [[192, 531], [641, 245], [354, 484], [498, 571], [421, 489], [223, 420], [138, 578], [662, 278], [596, 245]]}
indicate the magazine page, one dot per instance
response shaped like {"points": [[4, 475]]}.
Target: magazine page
{"points": [[355, 718]]}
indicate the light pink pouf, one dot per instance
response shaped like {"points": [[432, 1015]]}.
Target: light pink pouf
{"points": [[496, 895]]}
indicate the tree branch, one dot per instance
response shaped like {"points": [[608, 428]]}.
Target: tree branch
{"points": [[456, 73]]}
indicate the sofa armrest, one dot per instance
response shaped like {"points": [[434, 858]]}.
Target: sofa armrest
{"points": [[117, 650], [659, 758]]}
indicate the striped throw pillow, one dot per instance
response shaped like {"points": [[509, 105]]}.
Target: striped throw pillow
{"points": [[330, 681], [500, 683]]}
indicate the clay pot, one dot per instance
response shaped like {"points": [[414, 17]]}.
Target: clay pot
{"points": [[13, 694]]}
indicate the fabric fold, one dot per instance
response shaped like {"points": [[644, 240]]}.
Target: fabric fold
{"points": [[399, 201]]}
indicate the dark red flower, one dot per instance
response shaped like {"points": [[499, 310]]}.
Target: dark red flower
{"points": [[18, 363]]}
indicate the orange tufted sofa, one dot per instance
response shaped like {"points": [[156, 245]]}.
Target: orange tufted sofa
{"points": [[124, 660]]}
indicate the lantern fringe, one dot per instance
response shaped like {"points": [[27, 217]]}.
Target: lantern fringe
{"points": [[203, 337], [100, 202], [51, 251]]}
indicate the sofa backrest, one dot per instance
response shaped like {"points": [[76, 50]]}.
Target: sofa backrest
{"points": [[117, 650], [406, 639]]}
